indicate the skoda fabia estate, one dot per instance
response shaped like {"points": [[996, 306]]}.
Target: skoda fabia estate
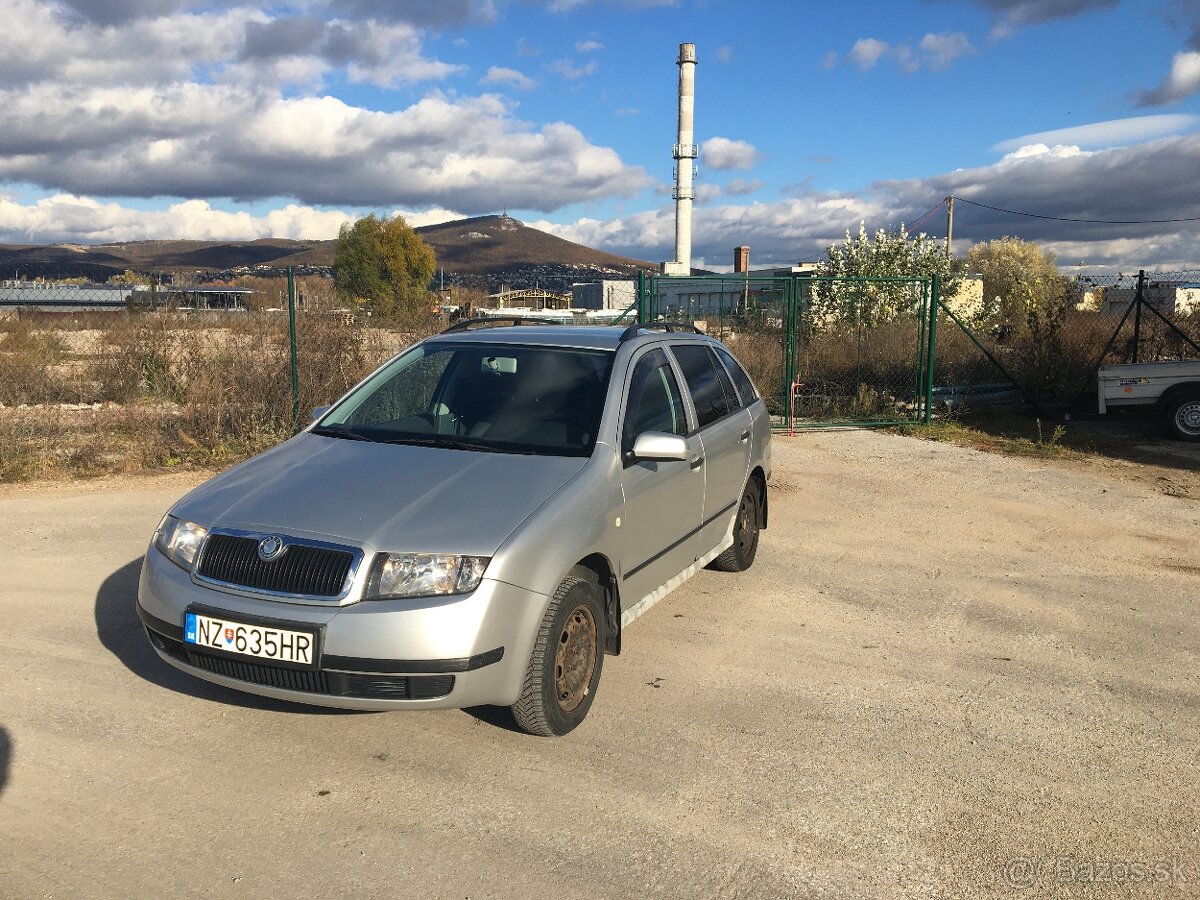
{"points": [[475, 523]]}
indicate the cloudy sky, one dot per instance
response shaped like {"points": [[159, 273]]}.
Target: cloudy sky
{"points": [[218, 119]]}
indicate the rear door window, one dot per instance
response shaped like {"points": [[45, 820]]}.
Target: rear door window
{"points": [[705, 384], [745, 386]]}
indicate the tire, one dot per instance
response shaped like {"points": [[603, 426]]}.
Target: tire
{"points": [[1183, 418], [564, 668], [740, 555]]}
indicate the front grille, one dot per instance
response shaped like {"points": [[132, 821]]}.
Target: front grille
{"points": [[300, 569], [307, 680], [337, 684]]}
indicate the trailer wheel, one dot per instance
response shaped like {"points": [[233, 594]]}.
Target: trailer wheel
{"points": [[1183, 417]]}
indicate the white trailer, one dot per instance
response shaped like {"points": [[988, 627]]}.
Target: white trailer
{"points": [[1172, 387]]}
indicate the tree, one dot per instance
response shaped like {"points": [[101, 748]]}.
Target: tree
{"points": [[384, 265], [1021, 283], [888, 255]]}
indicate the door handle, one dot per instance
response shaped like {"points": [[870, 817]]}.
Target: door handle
{"points": [[745, 437], [696, 463]]}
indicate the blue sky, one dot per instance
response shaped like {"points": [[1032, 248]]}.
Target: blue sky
{"points": [[130, 119]]}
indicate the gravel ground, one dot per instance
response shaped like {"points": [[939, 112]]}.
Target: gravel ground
{"points": [[949, 674]]}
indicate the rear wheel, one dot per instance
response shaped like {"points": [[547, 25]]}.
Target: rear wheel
{"points": [[740, 556], [564, 668], [1183, 418]]}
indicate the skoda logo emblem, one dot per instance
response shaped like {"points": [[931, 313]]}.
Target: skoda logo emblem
{"points": [[269, 548]]}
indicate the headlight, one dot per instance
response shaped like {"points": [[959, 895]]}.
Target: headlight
{"points": [[180, 541], [423, 575]]}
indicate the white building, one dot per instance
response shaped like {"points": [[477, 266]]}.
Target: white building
{"points": [[1168, 297], [617, 295]]}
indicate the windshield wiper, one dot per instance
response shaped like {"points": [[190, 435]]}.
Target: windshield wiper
{"points": [[337, 432], [457, 443]]}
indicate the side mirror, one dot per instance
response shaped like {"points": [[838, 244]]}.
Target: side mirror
{"points": [[318, 412], [658, 445]]}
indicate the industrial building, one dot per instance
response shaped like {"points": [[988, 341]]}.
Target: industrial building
{"points": [[44, 296], [615, 295], [1168, 297]]}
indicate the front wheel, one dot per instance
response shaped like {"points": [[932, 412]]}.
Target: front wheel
{"points": [[1183, 418], [740, 556], [564, 668]]}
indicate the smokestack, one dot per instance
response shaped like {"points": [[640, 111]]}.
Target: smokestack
{"points": [[741, 259], [685, 153]]}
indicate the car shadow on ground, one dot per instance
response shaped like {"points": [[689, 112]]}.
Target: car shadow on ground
{"points": [[122, 634], [496, 716], [5, 757]]}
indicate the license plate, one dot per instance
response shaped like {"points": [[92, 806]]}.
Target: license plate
{"points": [[262, 642]]}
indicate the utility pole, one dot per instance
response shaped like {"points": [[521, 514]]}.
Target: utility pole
{"points": [[949, 223]]}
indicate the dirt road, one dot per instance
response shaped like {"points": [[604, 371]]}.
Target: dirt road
{"points": [[949, 674]]}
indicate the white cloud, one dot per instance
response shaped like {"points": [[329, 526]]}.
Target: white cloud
{"points": [[934, 52], [1113, 133], [829, 60], [501, 75], [938, 51], [724, 54], [741, 187], [242, 45], [588, 46], [226, 142], [568, 70], [421, 218], [1058, 151], [65, 217], [723, 154], [866, 52], [1182, 81]]}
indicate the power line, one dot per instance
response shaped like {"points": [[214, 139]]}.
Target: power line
{"points": [[917, 223], [1015, 212]]}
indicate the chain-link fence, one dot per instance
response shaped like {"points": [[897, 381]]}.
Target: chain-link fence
{"points": [[1044, 342], [103, 378], [822, 351], [90, 383]]}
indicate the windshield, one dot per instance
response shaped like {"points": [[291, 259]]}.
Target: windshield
{"points": [[477, 396]]}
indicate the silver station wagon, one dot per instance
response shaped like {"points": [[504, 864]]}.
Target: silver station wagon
{"points": [[474, 524]]}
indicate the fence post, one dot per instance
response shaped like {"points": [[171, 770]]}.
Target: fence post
{"points": [[291, 282], [641, 296], [790, 322], [934, 300], [1137, 315], [922, 356]]}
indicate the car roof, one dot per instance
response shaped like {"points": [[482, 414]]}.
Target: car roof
{"points": [[588, 337]]}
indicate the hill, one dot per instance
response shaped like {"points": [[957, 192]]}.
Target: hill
{"points": [[484, 251]]}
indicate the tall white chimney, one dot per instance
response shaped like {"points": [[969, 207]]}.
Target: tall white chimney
{"points": [[685, 152]]}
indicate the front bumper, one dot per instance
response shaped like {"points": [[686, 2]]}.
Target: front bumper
{"points": [[426, 653]]}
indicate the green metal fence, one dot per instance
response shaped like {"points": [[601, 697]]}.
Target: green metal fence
{"points": [[823, 351]]}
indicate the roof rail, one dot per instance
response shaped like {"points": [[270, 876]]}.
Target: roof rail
{"points": [[492, 321], [632, 331]]}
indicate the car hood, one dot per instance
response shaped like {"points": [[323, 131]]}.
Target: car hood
{"points": [[384, 496]]}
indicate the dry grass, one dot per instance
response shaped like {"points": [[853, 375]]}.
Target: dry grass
{"points": [[163, 390], [171, 389]]}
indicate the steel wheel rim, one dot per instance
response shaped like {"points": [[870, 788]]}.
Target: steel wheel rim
{"points": [[575, 659], [744, 532], [1187, 417]]}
